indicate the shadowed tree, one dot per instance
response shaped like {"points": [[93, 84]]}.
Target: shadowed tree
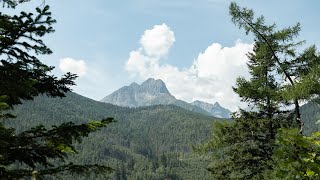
{"points": [[22, 77], [243, 148], [280, 77], [299, 71]]}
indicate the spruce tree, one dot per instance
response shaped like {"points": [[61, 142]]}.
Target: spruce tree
{"points": [[22, 77]]}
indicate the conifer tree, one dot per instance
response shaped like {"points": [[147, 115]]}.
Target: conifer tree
{"points": [[300, 71], [22, 77], [243, 148], [280, 77]]}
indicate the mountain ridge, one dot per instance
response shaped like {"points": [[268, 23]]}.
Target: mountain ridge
{"points": [[215, 109], [154, 92]]}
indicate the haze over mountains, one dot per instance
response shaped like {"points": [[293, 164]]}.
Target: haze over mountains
{"points": [[154, 92], [215, 109]]}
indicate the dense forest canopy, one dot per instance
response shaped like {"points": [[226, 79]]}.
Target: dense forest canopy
{"points": [[148, 142]]}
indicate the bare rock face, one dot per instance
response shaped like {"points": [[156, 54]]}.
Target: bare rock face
{"points": [[215, 109], [154, 92], [150, 92]]}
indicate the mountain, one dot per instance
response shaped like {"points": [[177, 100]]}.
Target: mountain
{"points": [[150, 92], [150, 142], [154, 92], [310, 115], [215, 109]]}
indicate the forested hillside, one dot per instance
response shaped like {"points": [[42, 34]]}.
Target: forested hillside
{"points": [[145, 143]]}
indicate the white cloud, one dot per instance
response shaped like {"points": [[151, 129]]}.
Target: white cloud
{"points": [[210, 77], [158, 40], [78, 67]]}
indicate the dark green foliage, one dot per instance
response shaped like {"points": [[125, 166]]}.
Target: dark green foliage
{"points": [[273, 43], [296, 156], [145, 143], [298, 73], [306, 70], [12, 3], [243, 149], [37, 145], [240, 149], [22, 77]]}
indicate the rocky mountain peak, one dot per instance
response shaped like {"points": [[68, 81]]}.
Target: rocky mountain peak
{"points": [[134, 84], [215, 109], [150, 92], [153, 92], [154, 86], [216, 104]]}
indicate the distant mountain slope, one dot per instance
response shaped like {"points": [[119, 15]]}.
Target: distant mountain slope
{"points": [[215, 109], [310, 115], [154, 92], [147, 142]]}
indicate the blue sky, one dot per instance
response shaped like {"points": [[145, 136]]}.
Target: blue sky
{"points": [[203, 52]]}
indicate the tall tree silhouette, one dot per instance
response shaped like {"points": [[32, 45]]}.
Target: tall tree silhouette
{"points": [[22, 77], [280, 77]]}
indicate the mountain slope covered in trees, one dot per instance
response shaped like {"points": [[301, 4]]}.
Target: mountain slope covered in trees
{"points": [[147, 142]]}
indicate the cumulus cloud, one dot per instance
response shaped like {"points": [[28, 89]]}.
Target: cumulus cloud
{"points": [[210, 77], [78, 67], [158, 40]]}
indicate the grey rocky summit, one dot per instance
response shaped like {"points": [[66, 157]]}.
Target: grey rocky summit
{"points": [[150, 92], [215, 109], [154, 92]]}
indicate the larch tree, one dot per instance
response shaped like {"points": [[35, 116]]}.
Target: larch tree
{"points": [[22, 77], [243, 148], [297, 72], [280, 77]]}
